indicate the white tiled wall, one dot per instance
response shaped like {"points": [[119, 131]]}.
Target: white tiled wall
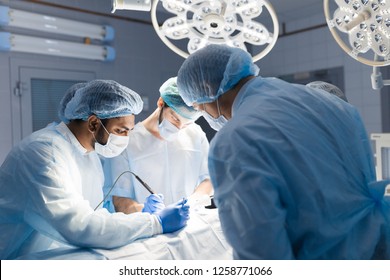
{"points": [[316, 49]]}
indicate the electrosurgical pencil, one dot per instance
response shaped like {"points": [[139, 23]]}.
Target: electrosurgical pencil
{"points": [[146, 186], [143, 183]]}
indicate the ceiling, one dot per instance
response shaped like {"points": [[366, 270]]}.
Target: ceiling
{"points": [[288, 10]]}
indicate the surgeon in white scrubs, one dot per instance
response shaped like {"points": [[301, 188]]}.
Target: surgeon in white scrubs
{"points": [[51, 183], [168, 151]]}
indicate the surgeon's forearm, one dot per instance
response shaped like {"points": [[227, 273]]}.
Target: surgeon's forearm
{"points": [[126, 205], [205, 188]]}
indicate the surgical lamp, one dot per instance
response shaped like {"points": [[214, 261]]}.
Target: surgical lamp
{"points": [[366, 25], [202, 22]]}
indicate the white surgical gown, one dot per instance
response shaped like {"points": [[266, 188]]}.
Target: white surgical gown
{"points": [[173, 168], [49, 186], [295, 179]]}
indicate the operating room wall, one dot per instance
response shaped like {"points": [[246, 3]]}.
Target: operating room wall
{"points": [[142, 61], [316, 49]]}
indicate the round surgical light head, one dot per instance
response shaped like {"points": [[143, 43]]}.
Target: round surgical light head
{"points": [[365, 27], [203, 22]]}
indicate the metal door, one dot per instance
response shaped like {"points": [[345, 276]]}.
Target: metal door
{"points": [[40, 91]]}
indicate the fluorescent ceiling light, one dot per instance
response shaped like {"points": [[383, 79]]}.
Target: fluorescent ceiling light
{"points": [[136, 5], [36, 45], [45, 23]]}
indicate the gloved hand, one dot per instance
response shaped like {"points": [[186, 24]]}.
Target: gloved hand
{"points": [[154, 203], [174, 216]]}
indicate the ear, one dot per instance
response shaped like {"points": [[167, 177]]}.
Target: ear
{"points": [[160, 102], [93, 123]]}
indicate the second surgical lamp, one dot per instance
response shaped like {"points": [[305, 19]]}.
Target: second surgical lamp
{"points": [[365, 24]]}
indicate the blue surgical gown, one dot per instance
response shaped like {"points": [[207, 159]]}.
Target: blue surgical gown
{"points": [[294, 177], [46, 187]]}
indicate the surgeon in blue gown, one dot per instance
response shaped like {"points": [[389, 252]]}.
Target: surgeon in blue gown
{"points": [[51, 182], [291, 166]]}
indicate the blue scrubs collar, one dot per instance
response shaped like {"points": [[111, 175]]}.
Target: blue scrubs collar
{"points": [[240, 96]]}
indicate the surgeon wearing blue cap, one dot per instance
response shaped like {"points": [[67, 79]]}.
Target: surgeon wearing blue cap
{"points": [[168, 150], [292, 174], [68, 95], [51, 182]]}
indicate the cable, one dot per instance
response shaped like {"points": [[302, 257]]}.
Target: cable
{"points": [[146, 186]]}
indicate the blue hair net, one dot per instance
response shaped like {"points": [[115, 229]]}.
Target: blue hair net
{"points": [[65, 100], [170, 94], [332, 89], [211, 71], [104, 98]]}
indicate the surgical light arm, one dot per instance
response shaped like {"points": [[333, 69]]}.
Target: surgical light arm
{"points": [[377, 81]]}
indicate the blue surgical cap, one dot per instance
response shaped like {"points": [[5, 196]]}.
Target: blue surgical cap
{"points": [[104, 98], [332, 89], [211, 71], [66, 98], [170, 94]]}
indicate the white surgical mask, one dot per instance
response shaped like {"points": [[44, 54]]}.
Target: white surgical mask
{"points": [[168, 131], [215, 123], [116, 144]]}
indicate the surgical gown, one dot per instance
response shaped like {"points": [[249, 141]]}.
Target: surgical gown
{"points": [[172, 168], [49, 186], [296, 179]]}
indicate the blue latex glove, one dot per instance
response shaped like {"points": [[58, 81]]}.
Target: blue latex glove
{"points": [[174, 216], [154, 203]]}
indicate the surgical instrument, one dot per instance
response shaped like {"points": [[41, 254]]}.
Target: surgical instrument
{"points": [[146, 186]]}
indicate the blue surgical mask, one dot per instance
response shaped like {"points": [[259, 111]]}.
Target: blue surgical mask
{"points": [[215, 123]]}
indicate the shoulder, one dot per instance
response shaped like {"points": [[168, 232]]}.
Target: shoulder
{"points": [[140, 131], [141, 141], [44, 144], [237, 135], [39, 154], [139, 128], [194, 130], [192, 135], [139, 134]]}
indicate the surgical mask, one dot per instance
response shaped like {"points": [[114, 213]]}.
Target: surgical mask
{"points": [[168, 131], [115, 145], [215, 123]]}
